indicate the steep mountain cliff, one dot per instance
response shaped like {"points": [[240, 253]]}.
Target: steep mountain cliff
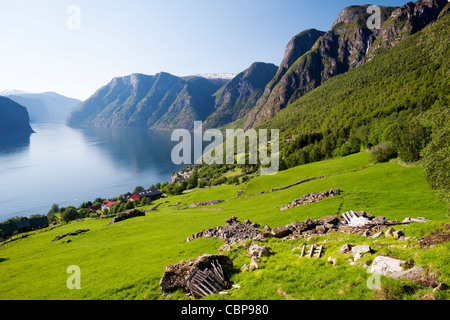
{"points": [[161, 101], [235, 99], [14, 119], [349, 43]]}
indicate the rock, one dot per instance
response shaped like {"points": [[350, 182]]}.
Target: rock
{"points": [[301, 226], [257, 251], [254, 264], [358, 251], [321, 229], [379, 220], [332, 260], [386, 265], [244, 268], [280, 232], [389, 232], [234, 231], [413, 273], [127, 215], [231, 220], [312, 197], [346, 248], [418, 219], [330, 219], [176, 275], [345, 229], [376, 235], [364, 214], [398, 233]]}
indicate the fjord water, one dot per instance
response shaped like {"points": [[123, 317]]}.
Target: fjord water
{"points": [[68, 166]]}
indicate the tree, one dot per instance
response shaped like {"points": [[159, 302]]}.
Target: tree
{"points": [[382, 152], [69, 214], [138, 189], [436, 155]]}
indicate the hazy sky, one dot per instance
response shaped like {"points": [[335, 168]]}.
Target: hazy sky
{"points": [[45, 45]]}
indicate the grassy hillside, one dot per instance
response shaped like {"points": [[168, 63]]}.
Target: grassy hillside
{"points": [[126, 260]]}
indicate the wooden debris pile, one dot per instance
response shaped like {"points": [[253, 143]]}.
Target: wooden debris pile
{"points": [[200, 277], [205, 282]]}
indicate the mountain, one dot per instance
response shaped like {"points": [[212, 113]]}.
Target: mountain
{"points": [[162, 101], [387, 99], [349, 44], [14, 119], [239, 95], [44, 107]]}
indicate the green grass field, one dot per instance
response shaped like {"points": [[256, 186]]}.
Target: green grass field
{"points": [[126, 260]]}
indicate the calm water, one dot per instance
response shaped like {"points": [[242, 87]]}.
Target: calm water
{"points": [[67, 166]]}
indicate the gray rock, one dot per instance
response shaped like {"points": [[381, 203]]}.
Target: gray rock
{"points": [[413, 273], [280, 232], [358, 251], [257, 251], [346, 248], [386, 265], [376, 235]]}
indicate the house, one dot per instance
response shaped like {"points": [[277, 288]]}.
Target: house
{"points": [[152, 194], [108, 205]]}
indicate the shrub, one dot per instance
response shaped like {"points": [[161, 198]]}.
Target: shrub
{"points": [[382, 152]]}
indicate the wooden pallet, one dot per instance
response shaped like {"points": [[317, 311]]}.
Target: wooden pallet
{"points": [[314, 251]]}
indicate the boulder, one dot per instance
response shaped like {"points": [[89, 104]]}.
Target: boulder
{"points": [[300, 226], [386, 265], [398, 233], [389, 232], [320, 229], [257, 251], [254, 264], [280, 232], [358, 251], [346, 248], [413, 273], [330, 219], [127, 215]]}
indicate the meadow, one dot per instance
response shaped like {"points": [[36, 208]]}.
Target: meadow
{"points": [[126, 260]]}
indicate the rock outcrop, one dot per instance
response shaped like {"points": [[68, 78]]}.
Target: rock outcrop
{"points": [[127, 215], [234, 231], [312, 197]]}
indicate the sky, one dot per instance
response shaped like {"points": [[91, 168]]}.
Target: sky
{"points": [[75, 47]]}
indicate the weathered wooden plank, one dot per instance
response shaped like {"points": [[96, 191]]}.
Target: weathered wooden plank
{"points": [[312, 251], [303, 251], [320, 251]]}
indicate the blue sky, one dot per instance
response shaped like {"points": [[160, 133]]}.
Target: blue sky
{"points": [[39, 52]]}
